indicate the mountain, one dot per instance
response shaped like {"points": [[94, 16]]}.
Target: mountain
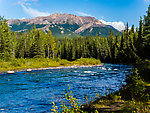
{"points": [[63, 25]]}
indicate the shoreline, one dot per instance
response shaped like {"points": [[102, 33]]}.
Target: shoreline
{"points": [[58, 67]]}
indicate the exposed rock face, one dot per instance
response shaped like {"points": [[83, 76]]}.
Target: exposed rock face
{"points": [[74, 24]]}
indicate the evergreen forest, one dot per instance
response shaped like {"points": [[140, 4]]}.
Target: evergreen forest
{"points": [[127, 47]]}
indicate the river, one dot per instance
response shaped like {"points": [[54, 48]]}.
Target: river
{"points": [[34, 91]]}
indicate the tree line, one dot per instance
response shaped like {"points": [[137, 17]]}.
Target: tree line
{"points": [[126, 47]]}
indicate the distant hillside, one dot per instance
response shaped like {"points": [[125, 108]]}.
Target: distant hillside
{"points": [[63, 25]]}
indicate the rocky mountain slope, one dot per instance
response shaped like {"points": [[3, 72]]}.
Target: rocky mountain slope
{"points": [[63, 25]]}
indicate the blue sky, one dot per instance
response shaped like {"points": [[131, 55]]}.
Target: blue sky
{"points": [[113, 12]]}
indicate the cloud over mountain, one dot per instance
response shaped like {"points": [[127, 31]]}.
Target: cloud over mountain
{"points": [[117, 25]]}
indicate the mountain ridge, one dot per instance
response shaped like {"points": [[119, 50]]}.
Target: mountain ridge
{"points": [[68, 24]]}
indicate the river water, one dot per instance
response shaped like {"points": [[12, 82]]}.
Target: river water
{"points": [[34, 91]]}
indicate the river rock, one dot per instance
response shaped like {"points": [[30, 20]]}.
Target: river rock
{"points": [[115, 69], [29, 70], [10, 72]]}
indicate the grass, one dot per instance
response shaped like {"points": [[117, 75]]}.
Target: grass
{"points": [[110, 104], [18, 64]]}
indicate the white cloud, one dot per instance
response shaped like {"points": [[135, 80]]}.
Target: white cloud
{"points": [[23, 18], [34, 12], [82, 14], [117, 25], [146, 0], [30, 11]]}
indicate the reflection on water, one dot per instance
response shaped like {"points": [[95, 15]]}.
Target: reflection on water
{"points": [[34, 91]]}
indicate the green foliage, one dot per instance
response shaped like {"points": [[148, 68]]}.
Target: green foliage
{"points": [[70, 106], [25, 26], [137, 87], [73, 106], [5, 40], [71, 27], [86, 61], [136, 107], [98, 31], [21, 63], [37, 48], [15, 63], [54, 108], [144, 69], [51, 43]]}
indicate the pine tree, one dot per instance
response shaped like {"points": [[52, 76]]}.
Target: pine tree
{"points": [[146, 35], [116, 47], [132, 29], [20, 52], [64, 49], [123, 48], [51, 44], [14, 44], [139, 42], [28, 41], [37, 48], [5, 40]]}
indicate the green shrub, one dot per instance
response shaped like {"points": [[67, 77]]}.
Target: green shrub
{"points": [[134, 106], [137, 87], [15, 63], [64, 62], [72, 105]]}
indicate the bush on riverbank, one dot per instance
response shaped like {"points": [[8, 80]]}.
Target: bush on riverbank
{"points": [[70, 105], [136, 87], [144, 69], [87, 61]]}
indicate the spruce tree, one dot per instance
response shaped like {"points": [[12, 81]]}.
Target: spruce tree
{"points": [[20, 52], [5, 40], [14, 43], [37, 48], [51, 43], [146, 35], [139, 42]]}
